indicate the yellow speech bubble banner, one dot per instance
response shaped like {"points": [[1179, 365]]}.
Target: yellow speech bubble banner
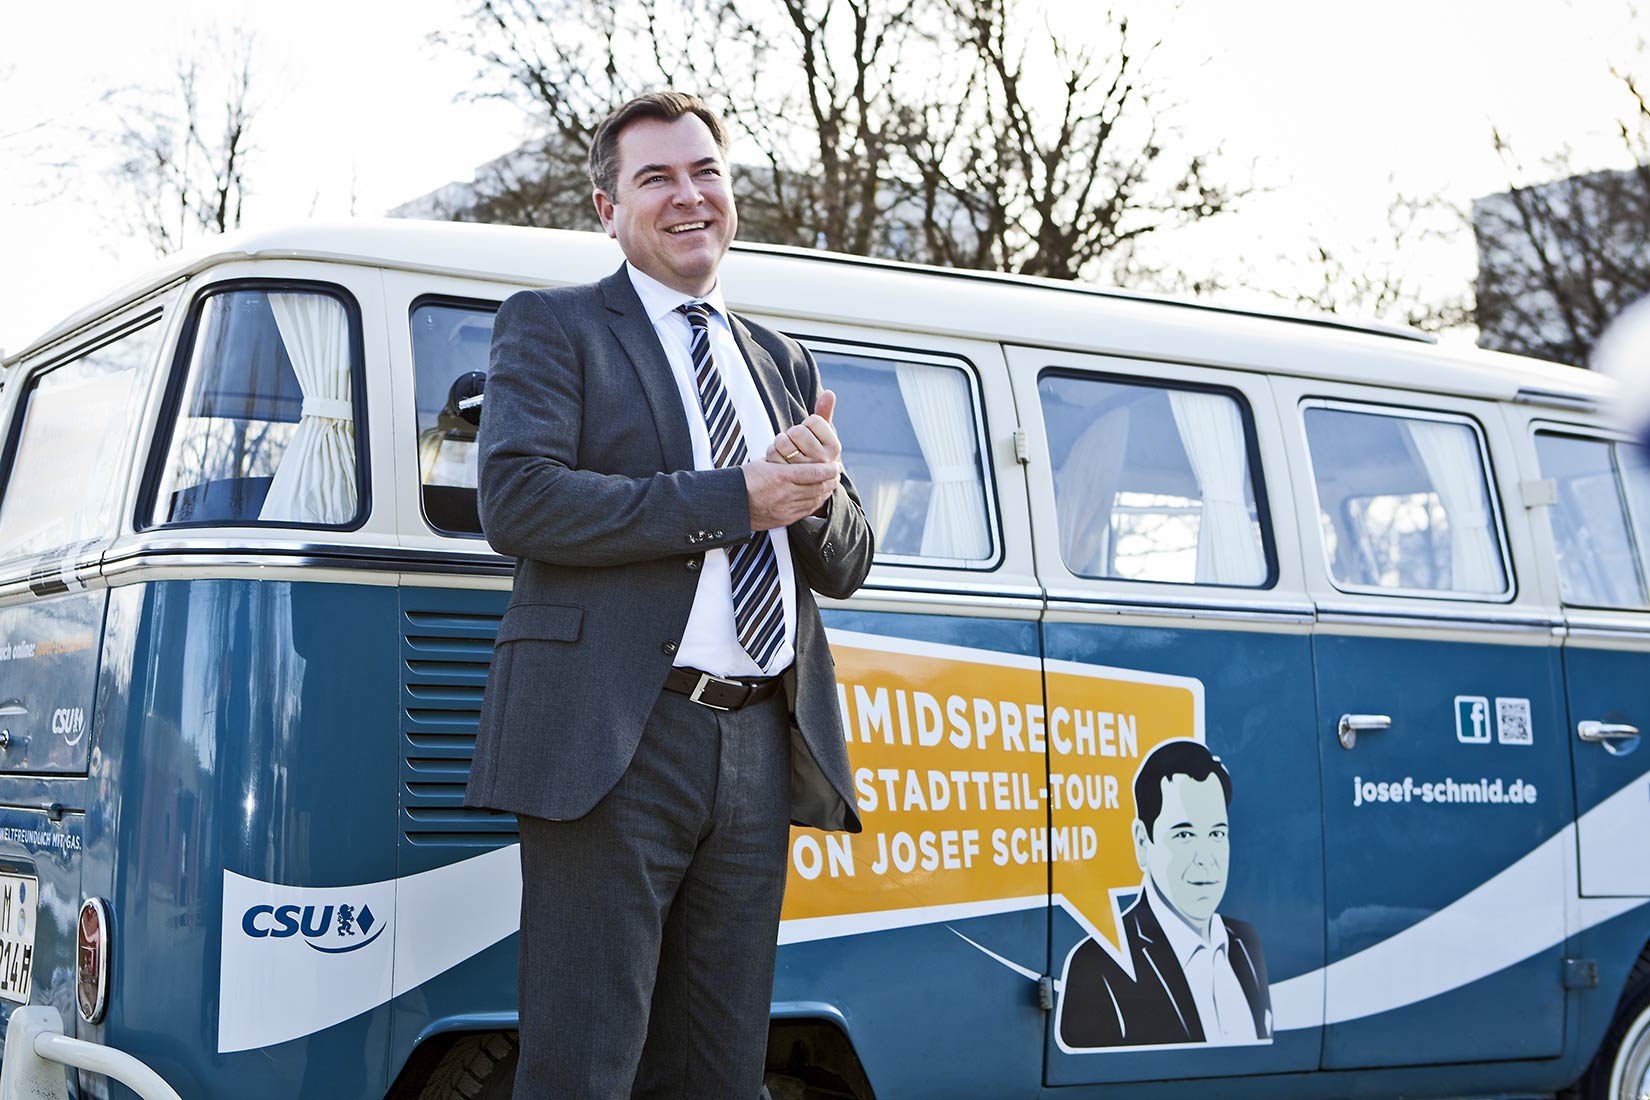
{"points": [[976, 782]]}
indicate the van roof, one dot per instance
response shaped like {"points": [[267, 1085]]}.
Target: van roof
{"points": [[803, 284]]}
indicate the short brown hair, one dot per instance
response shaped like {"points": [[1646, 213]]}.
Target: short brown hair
{"points": [[664, 106]]}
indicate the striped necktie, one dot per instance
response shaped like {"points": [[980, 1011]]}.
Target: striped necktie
{"points": [[758, 614]]}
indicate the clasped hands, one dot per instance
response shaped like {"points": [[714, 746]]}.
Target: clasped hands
{"points": [[799, 473]]}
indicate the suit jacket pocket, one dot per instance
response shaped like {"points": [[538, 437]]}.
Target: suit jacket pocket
{"points": [[543, 622]]}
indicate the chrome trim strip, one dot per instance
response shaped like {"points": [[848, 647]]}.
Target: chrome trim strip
{"points": [[367, 558], [1331, 612], [1608, 634], [940, 587], [1435, 623], [995, 601], [1600, 625], [1531, 395], [213, 553], [1290, 614], [1257, 606], [253, 544]]}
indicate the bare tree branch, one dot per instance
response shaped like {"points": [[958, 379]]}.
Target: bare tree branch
{"points": [[184, 151], [919, 129], [1559, 259]]}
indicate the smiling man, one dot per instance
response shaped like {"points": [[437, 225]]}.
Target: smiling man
{"points": [[1197, 977], [661, 703]]}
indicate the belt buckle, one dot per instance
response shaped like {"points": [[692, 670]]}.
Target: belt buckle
{"points": [[705, 679]]}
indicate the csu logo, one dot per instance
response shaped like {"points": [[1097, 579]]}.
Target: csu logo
{"points": [[333, 929], [70, 723]]}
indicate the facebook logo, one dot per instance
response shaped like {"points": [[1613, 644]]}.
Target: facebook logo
{"points": [[1472, 719]]}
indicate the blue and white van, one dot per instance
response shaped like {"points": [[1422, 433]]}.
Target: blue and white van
{"points": [[1241, 706]]}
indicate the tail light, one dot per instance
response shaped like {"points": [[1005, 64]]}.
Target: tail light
{"points": [[91, 984]]}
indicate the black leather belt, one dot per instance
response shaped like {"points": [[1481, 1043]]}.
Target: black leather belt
{"points": [[718, 692]]}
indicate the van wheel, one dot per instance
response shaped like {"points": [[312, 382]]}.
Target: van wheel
{"points": [[476, 1067], [776, 1086], [1621, 1071]]}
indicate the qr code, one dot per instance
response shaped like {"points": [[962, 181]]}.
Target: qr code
{"points": [[1512, 721]]}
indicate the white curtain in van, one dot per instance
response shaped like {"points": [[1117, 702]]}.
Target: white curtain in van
{"points": [[884, 502], [1211, 430], [315, 481], [1450, 454], [937, 400], [1085, 488]]}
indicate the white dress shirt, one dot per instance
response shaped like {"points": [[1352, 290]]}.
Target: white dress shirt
{"points": [[1207, 964], [711, 641]]}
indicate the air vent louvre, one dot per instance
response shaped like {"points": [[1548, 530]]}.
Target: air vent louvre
{"points": [[446, 644]]}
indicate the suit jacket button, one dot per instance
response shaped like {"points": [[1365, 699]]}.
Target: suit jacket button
{"points": [[718, 534], [669, 648], [693, 565]]}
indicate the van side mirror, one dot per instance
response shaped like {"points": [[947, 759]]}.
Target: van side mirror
{"points": [[464, 399]]}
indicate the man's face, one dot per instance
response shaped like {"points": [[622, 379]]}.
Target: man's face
{"points": [[673, 214], [1186, 853]]}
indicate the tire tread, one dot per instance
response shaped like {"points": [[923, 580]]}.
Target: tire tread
{"points": [[468, 1070]]}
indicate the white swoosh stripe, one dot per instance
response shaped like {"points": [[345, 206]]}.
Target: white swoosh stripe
{"points": [[450, 913], [1022, 971], [804, 929], [1510, 917]]}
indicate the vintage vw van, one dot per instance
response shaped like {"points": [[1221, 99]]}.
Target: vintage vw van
{"points": [[1240, 706]]}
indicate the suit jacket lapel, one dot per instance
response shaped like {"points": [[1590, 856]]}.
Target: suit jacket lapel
{"points": [[636, 335], [770, 383], [1161, 954]]}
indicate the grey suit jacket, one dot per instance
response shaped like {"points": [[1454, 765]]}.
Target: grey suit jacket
{"points": [[1104, 1007], [587, 478]]}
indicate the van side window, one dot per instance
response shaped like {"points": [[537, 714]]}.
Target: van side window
{"points": [[1635, 474], [448, 342], [911, 443], [1593, 521], [66, 459], [265, 430], [1403, 502], [1153, 483]]}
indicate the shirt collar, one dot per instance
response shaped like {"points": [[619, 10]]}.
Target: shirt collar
{"points": [[1182, 937], [658, 299]]}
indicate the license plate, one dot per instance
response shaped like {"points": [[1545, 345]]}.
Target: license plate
{"points": [[19, 896]]}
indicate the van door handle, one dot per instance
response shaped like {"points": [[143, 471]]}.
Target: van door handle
{"points": [[1618, 738], [1351, 725], [12, 708]]}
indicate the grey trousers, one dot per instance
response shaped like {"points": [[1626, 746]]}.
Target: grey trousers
{"points": [[648, 926]]}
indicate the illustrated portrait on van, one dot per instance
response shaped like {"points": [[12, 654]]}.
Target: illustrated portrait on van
{"points": [[1186, 973]]}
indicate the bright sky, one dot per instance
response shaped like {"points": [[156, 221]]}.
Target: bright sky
{"points": [[1336, 104]]}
